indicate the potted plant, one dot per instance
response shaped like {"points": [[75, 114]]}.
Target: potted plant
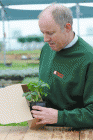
{"points": [[35, 93]]}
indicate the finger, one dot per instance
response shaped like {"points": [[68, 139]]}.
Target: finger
{"points": [[36, 112], [41, 122], [38, 107], [37, 117]]}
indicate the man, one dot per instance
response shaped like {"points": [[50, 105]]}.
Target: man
{"points": [[66, 64]]}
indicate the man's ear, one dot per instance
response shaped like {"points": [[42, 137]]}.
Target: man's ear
{"points": [[68, 27]]}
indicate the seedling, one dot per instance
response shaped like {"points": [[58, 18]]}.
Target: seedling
{"points": [[36, 91]]}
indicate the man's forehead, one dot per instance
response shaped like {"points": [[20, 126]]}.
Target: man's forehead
{"points": [[46, 19], [46, 15]]}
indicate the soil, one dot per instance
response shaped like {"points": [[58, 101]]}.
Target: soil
{"points": [[14, 56], [31, 58]]}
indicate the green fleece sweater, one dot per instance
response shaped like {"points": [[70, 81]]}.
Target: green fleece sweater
{"points": [[71, 87]]}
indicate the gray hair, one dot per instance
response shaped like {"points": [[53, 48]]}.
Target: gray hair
{"points": [[61, 14]]}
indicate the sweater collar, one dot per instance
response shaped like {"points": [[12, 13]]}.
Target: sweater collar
{"points": [[72, 42]]}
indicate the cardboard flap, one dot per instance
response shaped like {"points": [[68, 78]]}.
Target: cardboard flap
{"points": [[13, 107]]}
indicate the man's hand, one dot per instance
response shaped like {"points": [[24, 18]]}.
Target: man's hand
{"points": [[46, 115]]}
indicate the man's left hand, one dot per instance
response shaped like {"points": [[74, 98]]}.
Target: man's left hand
{"points": [[46, 115]]}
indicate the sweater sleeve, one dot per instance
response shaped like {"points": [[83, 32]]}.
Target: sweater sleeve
{"points": [[80, 117]]}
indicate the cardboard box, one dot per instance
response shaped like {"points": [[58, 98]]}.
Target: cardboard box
{"points": [[14, 108]]}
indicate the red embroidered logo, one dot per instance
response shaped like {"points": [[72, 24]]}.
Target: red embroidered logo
{"points": [[58, 74]]}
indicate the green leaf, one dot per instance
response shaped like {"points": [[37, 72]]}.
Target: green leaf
{"points": [[29, 97], [26, 93], [36, 86], [39, 99], [34, 93], [43, 85], [46, 94], [34, 100], [40, 82], [33, 83], [37, 90], [48, 86], [42, 93], [40, 89], [32, 88], [34, 97]]}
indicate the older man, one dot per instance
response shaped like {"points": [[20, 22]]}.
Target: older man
{"points": [[66, 64]]}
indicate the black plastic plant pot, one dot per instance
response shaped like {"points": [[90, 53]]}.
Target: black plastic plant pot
{"points": [[43, 104]]}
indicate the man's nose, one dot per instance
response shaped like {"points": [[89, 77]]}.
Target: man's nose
{"points": [[46, 38]]}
